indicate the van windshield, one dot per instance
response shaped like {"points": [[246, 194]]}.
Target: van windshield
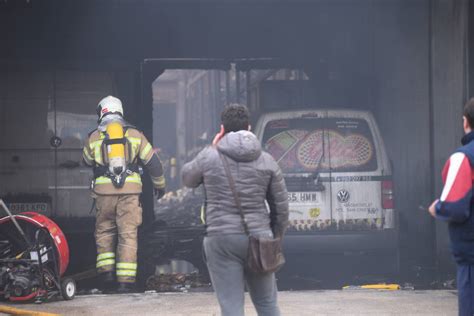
{"points": [[306, 145]]}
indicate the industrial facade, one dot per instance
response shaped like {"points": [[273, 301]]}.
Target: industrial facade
{"points": [[408, 62]]}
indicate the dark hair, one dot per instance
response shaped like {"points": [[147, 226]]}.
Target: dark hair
{"points": [[469, 112], [235, 117]]}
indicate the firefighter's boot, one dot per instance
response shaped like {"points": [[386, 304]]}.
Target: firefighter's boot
{"points": [[107, 281], [124, 288]]}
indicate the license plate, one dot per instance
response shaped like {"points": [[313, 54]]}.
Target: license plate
{"points": [[303, 197]]}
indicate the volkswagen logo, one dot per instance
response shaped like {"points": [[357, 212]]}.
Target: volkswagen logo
{"points": [[343, 196]]}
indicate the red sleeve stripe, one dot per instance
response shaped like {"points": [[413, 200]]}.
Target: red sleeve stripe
{"points": [[459, 179]]}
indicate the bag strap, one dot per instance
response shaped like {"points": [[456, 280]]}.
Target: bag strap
{"points": [[225, 163]]}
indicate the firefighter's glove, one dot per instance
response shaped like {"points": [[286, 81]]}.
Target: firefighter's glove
{"points": [[159, 193]]}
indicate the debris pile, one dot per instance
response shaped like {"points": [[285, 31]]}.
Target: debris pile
{"points": [[176, 282], [180, 208]]}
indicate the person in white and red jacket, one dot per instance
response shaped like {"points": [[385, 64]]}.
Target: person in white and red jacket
{"points": [[456, 206]]}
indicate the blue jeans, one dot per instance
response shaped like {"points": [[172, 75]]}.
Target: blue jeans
{"points": [[226, 256], [465, 280]]}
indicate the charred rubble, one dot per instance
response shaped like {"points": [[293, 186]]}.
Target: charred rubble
{"points": [[176, 234]]}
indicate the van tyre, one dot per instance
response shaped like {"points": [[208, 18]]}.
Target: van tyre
{"points": [[68, 289]]}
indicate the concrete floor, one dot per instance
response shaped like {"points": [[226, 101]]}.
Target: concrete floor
{"points": [[347, 302]]}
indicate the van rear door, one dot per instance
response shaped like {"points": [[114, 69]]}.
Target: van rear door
{"points": [[331, 161], [299, 143], [355, 173]]}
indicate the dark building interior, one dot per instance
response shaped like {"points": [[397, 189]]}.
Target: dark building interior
{"points": [[406, 61]]}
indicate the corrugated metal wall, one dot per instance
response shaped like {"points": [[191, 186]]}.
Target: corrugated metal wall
{"points": [[401, 101], [421, 83], [35, 106]]}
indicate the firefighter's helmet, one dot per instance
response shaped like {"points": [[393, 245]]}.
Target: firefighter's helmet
{"points": [[109, 105]]}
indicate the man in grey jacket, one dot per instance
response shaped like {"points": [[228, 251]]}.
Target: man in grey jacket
{"points": [[257, 178]]}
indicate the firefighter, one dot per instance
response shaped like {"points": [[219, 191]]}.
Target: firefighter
{"points": [[114, 150]]}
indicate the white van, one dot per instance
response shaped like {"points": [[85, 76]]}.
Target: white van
{"points": [[339, 180]]}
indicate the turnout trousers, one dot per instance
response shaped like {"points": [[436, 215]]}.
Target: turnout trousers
{"points": [[117, 221]]}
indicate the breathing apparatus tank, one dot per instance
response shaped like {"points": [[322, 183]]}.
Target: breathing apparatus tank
{"points": [[116, 149]]}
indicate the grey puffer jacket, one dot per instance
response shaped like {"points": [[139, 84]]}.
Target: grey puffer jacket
{"points": [[257, 178]]}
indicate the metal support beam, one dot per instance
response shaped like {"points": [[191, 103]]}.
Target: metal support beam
{"points": [[448, 93]]}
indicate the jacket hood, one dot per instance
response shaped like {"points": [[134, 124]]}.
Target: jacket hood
{"points": [[242, 146]]}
